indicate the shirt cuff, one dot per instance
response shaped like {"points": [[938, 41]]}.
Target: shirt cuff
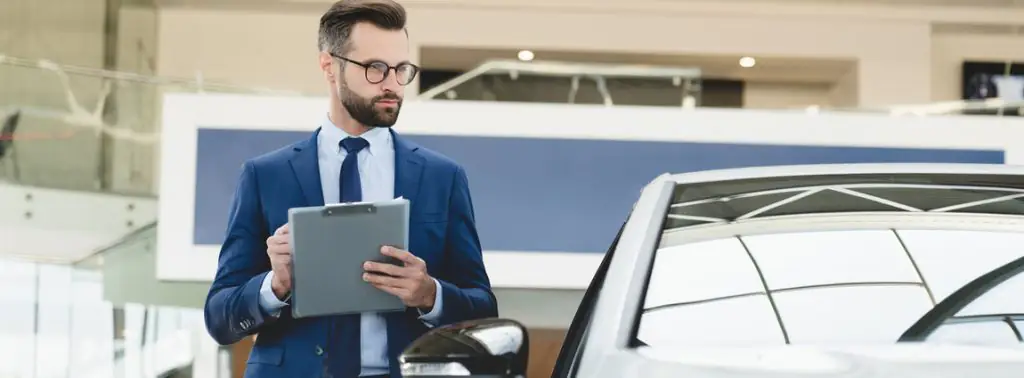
{"points": [[431, 318], [269, 301]]}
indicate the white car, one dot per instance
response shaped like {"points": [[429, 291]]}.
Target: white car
{"points": [[854, 270]]}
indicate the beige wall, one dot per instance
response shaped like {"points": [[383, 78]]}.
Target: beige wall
{"points": [[950, 50], [896, 52], [242, 47], [786, 95]]}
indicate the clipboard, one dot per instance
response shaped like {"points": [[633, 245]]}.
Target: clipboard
{"points": [[330, 245]]}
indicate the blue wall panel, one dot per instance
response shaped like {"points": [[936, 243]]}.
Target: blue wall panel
{"points": [[544, 194]]}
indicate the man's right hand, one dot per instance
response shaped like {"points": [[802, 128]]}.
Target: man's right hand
{"points": [[279, 249]]}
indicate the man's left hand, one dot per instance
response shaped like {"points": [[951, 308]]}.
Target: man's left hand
{"points": [[411, 282]]}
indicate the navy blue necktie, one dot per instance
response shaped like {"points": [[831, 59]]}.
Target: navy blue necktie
{"points": [[345, 356], [351, 187]]}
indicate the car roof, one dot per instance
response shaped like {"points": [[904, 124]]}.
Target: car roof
{"points": [[729, 195], [845, 169]]}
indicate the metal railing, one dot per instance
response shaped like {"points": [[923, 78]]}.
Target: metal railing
{"points": [[686, 79]]}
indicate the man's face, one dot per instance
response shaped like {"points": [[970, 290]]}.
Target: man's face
{"points": [[373, 104]]}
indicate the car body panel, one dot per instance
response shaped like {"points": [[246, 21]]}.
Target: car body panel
{"points": [[905, 360], [608, 347]]}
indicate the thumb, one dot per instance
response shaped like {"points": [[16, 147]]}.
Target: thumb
{"points": [[283, 230]]}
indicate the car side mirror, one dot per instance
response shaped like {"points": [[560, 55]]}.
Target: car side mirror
{"points": [[486, 347]]}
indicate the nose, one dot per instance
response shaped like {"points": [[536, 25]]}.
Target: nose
{"points": [[390, 84]]}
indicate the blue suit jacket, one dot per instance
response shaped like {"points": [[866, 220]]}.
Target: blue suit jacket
{"points": [[442, 232]]}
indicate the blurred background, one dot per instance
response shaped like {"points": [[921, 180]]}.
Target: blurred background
{"points": [[81, 86]]}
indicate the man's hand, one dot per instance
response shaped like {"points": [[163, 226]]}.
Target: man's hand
{"points": [[411, 282], [279, 249]]}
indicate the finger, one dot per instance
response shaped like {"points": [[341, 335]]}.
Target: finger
{"points": [[398, 292], [392, 270], [278, 240], [279, 250], [277, 246], [384, 281], [408, 258]]}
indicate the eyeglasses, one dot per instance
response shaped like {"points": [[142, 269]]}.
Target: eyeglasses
{"points": [[377, 71]]}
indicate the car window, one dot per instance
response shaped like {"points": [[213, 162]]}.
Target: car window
{"points": [[987, 310], [829, 286]]}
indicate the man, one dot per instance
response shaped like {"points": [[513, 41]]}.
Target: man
{"points": [[353, 156]]}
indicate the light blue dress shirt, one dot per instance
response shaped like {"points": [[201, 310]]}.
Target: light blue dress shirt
{"points": [[377, 176]]}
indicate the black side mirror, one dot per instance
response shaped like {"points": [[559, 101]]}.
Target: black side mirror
{"points": [[486, 347]]}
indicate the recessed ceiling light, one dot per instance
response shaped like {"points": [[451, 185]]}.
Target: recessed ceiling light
{"points": [[747, 62], [525, 55]]}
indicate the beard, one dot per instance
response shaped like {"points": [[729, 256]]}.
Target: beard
{"points": [[365, 110]]}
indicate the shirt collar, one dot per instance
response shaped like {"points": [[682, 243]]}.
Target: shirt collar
{"points": [[331, 136]]}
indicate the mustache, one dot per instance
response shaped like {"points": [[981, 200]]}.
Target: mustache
{"points": [[388, 96]]}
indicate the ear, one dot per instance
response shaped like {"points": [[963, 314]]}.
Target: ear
{"points": [[327, 66]]}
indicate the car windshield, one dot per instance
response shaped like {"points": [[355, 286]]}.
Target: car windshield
{"points": [[861, 285]]}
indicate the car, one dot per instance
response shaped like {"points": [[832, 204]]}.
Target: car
{"points": [[831, 270]]}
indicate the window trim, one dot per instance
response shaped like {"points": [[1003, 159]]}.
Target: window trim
{"points": [[949, 307]]}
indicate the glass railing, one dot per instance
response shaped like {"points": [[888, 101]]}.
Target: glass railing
{"points": [[57, 323], [104, 316], [570, 83], [78, 128]]}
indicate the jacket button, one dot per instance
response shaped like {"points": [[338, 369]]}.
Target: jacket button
{"points": [[319, 351]]}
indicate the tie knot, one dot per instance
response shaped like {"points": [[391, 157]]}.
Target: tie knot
{"points": [[354, 145]]}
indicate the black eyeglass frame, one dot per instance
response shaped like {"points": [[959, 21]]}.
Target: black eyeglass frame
{"points": [[382, 66]]}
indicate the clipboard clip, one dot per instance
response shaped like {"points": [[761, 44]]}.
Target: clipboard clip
{"points": [[348, 209]]}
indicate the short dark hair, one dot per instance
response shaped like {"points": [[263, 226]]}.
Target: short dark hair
{"points": [[336, 24]]}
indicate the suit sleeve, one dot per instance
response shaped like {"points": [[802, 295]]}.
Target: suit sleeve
{"points": [[466, 290], [232, 309]]}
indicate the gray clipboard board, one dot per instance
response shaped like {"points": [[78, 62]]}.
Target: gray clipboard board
{"points": [[330, 245]]}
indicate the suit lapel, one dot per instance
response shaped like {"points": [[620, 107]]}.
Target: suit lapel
{"points": [[408, 168], [306, 166]]}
